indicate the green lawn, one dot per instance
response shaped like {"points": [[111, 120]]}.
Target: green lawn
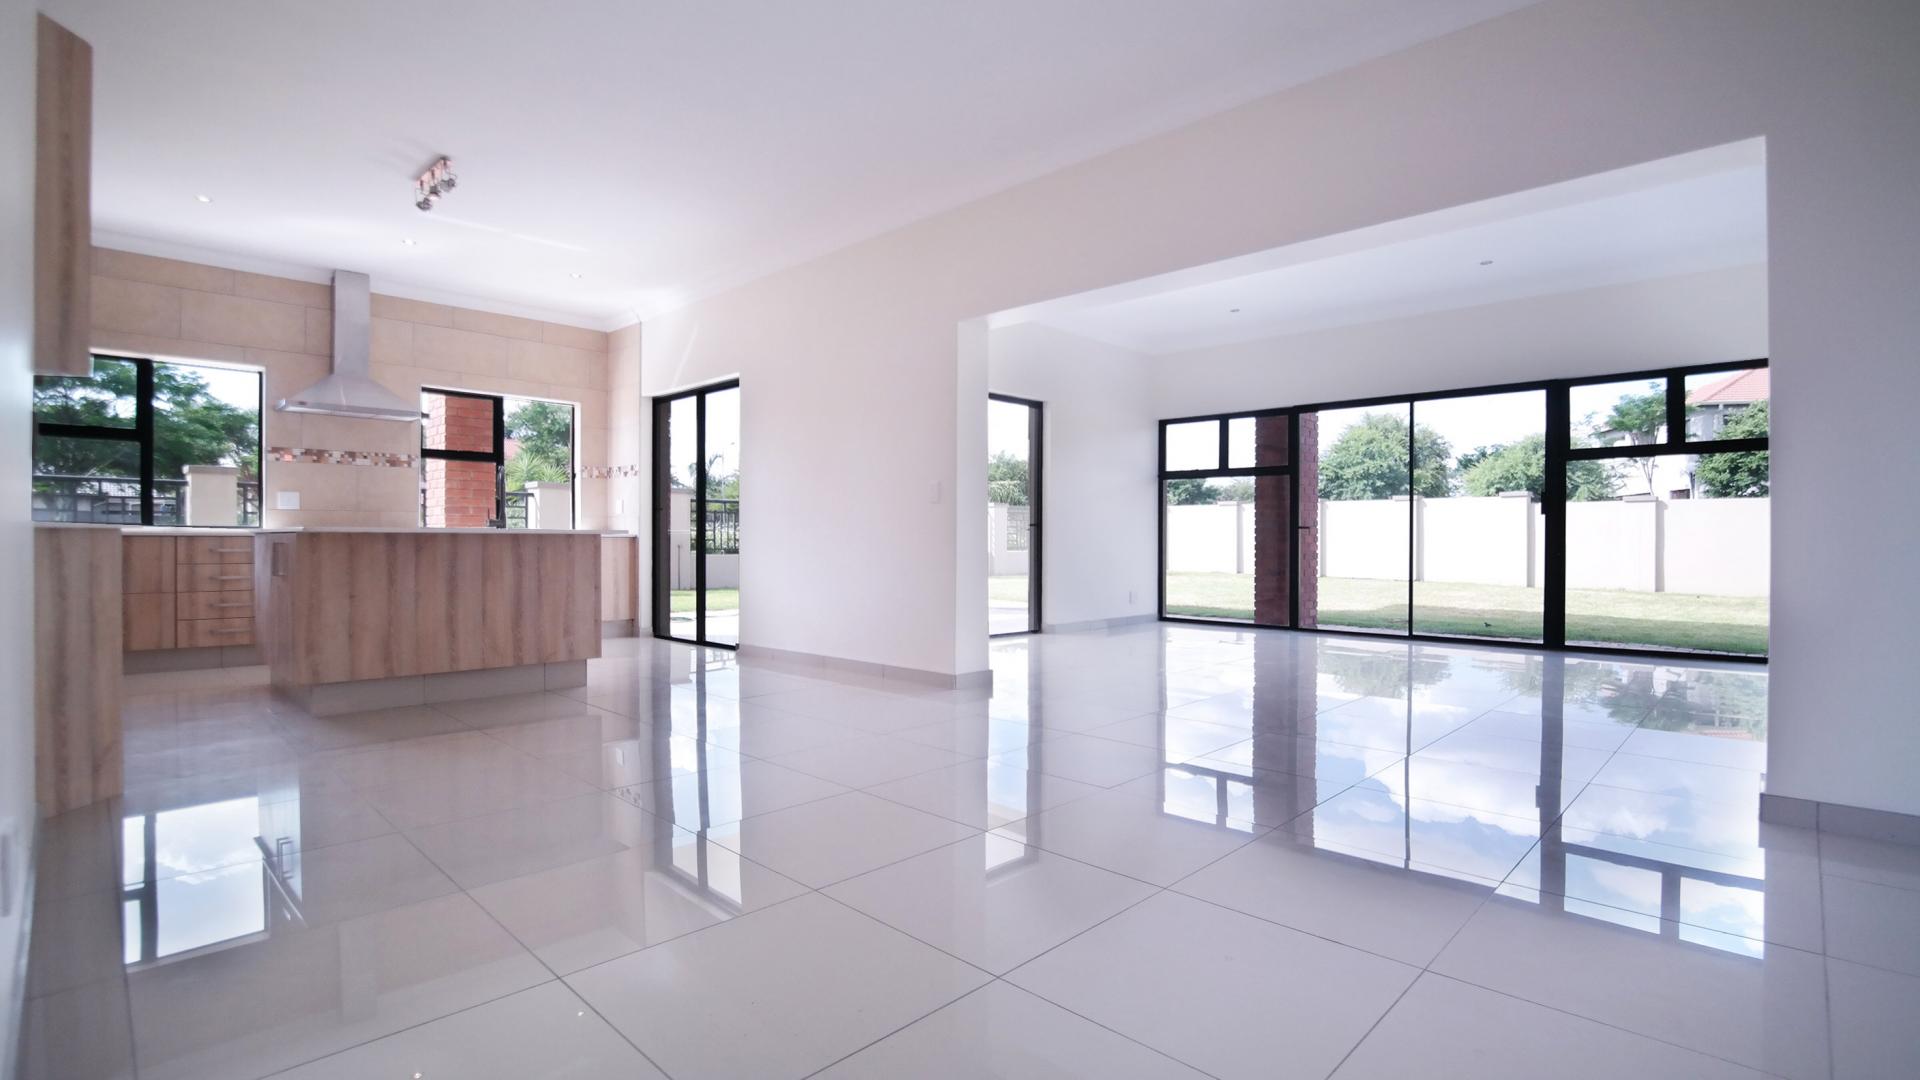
{"points": [[717, 600], [1733, 624]]}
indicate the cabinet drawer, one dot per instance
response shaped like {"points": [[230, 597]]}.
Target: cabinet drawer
{"points": [[146, 621], [232, 604], [200, 633], [215, 577], [215, 549]]}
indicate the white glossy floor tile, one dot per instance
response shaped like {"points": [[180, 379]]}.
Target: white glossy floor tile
{"points": [[1086, 759], [83, 1033], [479, 850], [983, 794], [585, 913], [284, 995], [1448, 1030], [1354, 901], [819, 843], [724, 795], [990, 900], [277, 891], [1005, 1033], [543, 1032], [1874, 1034], [1873, 924], [1766, 1012], [862, 762], [1138, 837], [1232, 995], [776, 994]]}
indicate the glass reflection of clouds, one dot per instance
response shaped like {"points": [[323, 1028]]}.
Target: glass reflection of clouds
{"points": [[194, 878], [1382, 754]]}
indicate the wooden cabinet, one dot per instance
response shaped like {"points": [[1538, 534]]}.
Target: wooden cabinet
{"points": [[77, 643], [148, 619], [187, 592]]}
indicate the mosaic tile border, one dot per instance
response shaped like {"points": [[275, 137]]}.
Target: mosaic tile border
{"points": [[372, 458], [607, 472]]}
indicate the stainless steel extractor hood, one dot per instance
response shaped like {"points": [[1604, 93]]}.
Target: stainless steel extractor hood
{"points": [[349, 390]]}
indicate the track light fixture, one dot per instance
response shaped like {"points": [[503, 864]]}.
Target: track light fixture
{"points": [[434, 183]]}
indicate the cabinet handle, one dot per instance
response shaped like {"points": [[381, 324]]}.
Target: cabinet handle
{"points": [[236, 630], [231, 551], [234, 603], [233, 577]]}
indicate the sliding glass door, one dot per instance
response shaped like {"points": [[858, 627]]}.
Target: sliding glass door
{"points": [[1624, 513], [696, 511], [1013, 515]]}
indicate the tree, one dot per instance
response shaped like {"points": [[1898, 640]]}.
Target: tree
{"points": [[1522, 466], [543, 435], [1639, 417], [1007, 479], [1369, 461], [1744, 473], [190, 425]]}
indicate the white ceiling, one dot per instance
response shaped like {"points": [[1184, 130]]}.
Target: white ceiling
{"points": [[661, 149], [1683, 215]]}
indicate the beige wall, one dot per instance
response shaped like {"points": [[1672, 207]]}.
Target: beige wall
{"points": [[162, 307]]}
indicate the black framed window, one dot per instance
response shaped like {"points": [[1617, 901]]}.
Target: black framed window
{"points": [[141, 441], [1619, 513], [463, 440]]}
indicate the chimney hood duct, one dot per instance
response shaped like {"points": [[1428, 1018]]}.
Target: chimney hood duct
{"points": [[349, 390]]}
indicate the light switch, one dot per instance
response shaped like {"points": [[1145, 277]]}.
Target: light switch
{"points": [[286, 500]]}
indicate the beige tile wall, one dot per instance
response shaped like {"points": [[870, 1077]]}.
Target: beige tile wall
{"points": [[180, 310]]}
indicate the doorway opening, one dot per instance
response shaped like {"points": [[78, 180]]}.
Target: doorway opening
{"points": [[1013, 515], [696, 515]]}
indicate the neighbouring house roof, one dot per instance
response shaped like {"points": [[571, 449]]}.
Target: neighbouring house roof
{"points": [[1739, 388]]}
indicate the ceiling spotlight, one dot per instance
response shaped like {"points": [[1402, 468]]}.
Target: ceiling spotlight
{"points": [[1233, 311], [203, 198], [1486, 262], [576, 276], [408, 241], [430, 186]]}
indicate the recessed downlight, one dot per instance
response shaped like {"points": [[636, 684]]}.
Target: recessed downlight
{"points": [[408, 241], [576, 276], [1486, 262], [1233, 311], [203, 198]]}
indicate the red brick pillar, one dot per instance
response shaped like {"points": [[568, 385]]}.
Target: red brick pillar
{"points": [[1272, 529], [1306, 473], [460, 494]]}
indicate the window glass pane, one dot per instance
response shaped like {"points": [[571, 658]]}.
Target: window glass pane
{"points": [[1669, 552], [683, 465], [88, 480], [539, 465], [1228, 546], [1479, 552], [1193, 445], [105, 400], [1354, 544], [1240, 440], [456, 422], [1629, 413], [721, 542], [206, 445], [1727, 405]]}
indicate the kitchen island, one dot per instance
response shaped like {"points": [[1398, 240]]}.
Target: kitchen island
{"points": [[349, 619]]}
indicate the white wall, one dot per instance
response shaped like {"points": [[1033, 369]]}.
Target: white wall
{"points": [[856, 360], [1690, 319], [1100, 544], [17, 813]]}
